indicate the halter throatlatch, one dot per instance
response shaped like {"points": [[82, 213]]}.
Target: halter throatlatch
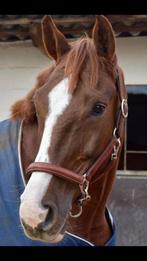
{"points": [[104, 163]]}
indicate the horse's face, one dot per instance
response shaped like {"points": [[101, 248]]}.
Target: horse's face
{"points": [[75, 123]]}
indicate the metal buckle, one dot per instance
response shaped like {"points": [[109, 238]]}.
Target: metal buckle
{"points": [[85, 196], [124, 108], [116, 147]]}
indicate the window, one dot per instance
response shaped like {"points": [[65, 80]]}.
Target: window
{"points": [[134, 154]]}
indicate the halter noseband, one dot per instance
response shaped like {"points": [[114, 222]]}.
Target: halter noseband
{"points": [[104, 163]]}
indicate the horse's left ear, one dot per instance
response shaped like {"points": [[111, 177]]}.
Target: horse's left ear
{"points": [[103, 37], [54, 41]]}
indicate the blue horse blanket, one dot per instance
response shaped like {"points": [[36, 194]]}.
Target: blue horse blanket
{"points": [[11, 188]]}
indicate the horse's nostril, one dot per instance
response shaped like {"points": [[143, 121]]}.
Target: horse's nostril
{"points": [[38, 217], [50, 218]]}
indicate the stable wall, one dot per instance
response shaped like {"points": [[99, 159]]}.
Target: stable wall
{"points": [[21, 62], [19, 65]]}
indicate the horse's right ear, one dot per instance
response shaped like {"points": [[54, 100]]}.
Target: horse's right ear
{"points": [[54, 41]]}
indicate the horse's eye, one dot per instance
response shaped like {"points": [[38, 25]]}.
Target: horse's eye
{"points": [[98, 109]]}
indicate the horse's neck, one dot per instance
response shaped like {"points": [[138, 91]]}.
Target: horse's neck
{"points": [[92, 224]]}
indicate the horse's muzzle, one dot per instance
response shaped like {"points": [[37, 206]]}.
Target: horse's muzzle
{"points": [[38, 221]]}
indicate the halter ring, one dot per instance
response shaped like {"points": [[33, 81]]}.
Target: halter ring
{"points": [[124, 108]]}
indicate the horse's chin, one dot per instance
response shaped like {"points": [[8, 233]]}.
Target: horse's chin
{"points": [[45, 237], [49, 239]]}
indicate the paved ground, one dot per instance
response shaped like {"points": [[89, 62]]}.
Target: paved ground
{"points": [[128, 204]]}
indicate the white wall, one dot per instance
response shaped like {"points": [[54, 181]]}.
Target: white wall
{"points": [[21, 62], [19, 65], [132, 54]]}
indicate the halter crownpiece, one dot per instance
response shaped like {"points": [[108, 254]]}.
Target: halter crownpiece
{"points": [[104, 163]]}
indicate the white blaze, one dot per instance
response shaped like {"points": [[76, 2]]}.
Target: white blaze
{"points": [[59, 99]]}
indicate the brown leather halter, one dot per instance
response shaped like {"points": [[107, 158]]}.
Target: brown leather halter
{"points": [[104, 163]]}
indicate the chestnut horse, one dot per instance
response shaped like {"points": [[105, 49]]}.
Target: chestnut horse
{"points": [[71, 130]]}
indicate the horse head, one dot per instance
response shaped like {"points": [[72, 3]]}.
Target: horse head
{"points": [[69, 119]]}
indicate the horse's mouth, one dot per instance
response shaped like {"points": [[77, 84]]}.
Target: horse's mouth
{"points": [[45, 236]]}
